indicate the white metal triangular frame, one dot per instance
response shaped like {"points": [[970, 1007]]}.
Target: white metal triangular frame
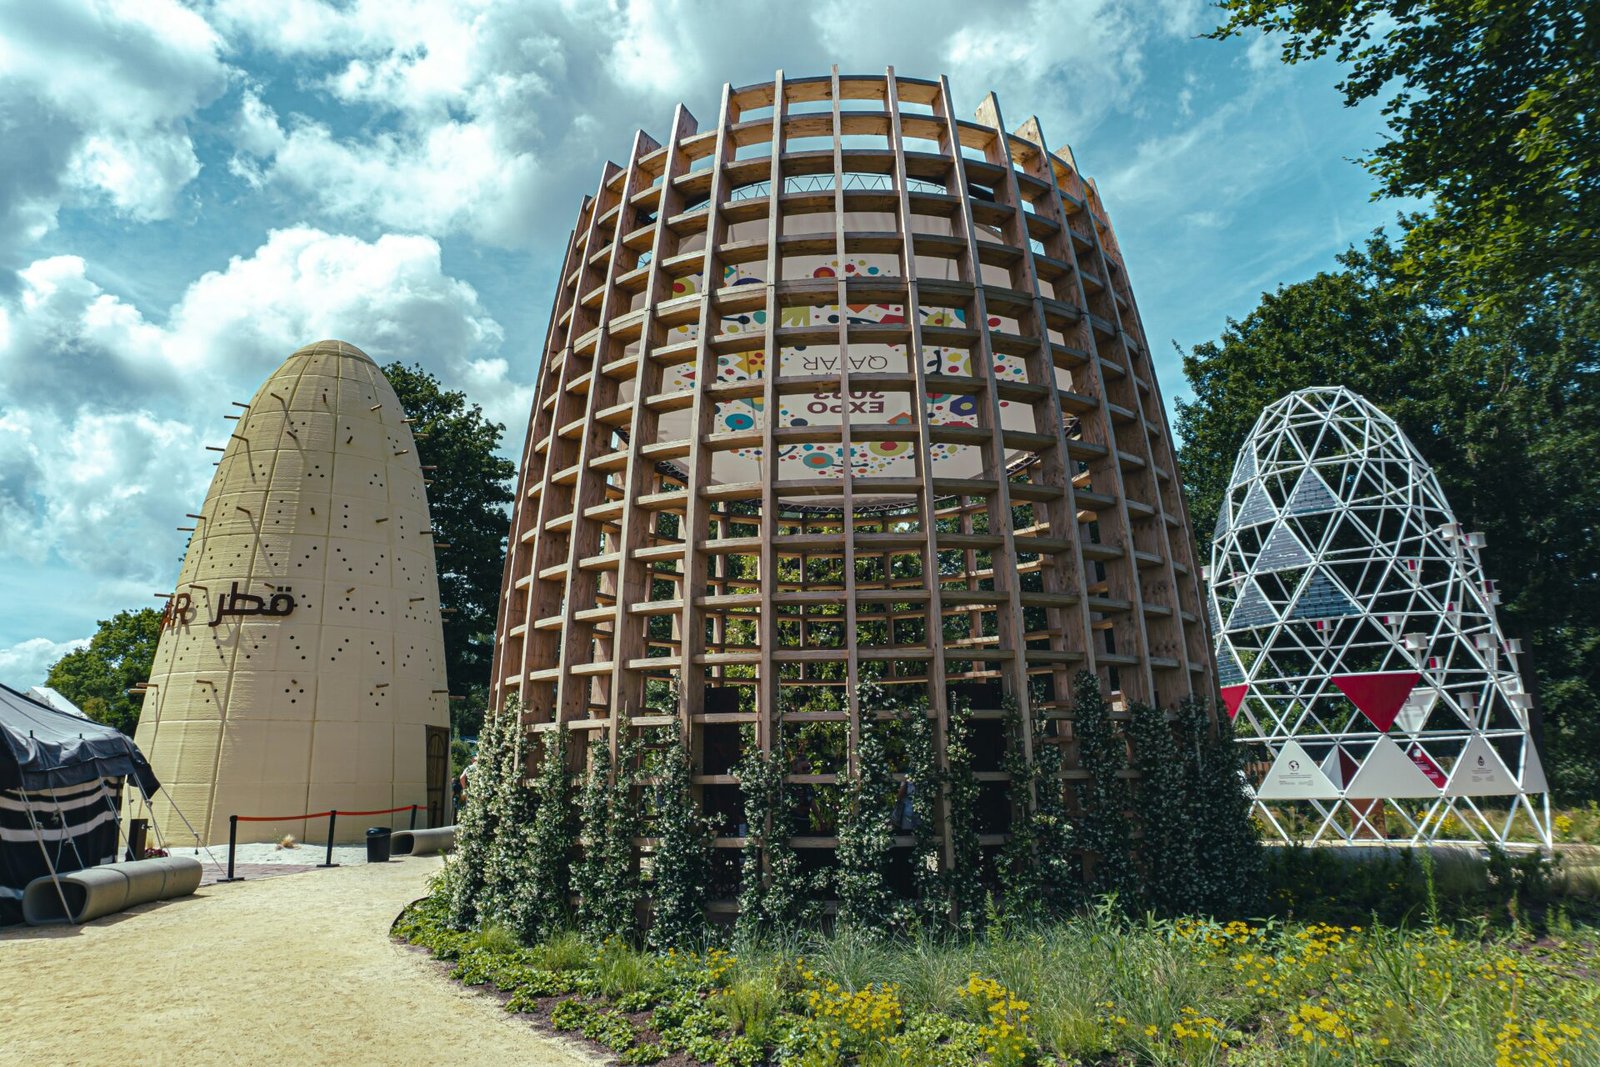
{"points": [[1341, 478], [1388, 773], [1294, 775], [1480, 772], [1282, 551]]}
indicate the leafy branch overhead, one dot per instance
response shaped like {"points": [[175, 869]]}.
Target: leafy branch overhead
{"points": [[1491, 116]]}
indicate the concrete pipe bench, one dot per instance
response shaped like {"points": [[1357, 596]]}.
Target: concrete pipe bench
{"points": [[422, 842], [111, 887]]}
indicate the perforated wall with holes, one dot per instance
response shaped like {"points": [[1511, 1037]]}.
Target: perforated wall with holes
{"points": [[270, 709]]}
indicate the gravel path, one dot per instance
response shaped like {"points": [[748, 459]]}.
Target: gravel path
{"points": [[290, 970]]}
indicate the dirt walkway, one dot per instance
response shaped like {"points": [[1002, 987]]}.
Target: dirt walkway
{"points": [[290, 970]]}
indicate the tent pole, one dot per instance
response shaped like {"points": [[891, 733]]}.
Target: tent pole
{"points": [[150, 813], [124, 844], [190, 825], [66, 912], [66, 830]]}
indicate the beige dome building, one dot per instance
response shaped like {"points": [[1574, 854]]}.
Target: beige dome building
{"points": [[301, 660]]}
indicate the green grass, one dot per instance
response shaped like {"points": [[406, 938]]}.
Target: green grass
{"points": [[1099, 989]]}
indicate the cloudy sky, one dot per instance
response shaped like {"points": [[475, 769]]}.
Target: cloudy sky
{"points": [[189, 192]]}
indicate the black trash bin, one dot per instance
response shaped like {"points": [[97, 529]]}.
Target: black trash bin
{"points": [[138, 832], [378, 844]]}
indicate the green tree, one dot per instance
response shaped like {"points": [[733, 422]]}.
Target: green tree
{"points": [[98, 676], [1491, 113], [1505, 408], [467, 501]]}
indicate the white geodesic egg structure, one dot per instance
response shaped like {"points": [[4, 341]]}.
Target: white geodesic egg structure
{"points": [[1356, 635]]}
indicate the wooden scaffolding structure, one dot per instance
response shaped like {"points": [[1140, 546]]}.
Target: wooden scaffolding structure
{"points": [[843, 389]]}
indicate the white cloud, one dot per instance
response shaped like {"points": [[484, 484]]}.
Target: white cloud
{"points": [[477, 111], [26, 663], [479, 117], [104, 414], [97, 99], [99, 490]]}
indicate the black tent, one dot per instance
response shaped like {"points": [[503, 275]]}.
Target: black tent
{"points": [[58, 777]]}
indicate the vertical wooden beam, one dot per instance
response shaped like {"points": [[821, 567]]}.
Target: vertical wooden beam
{"points": [[515, 609], [692, 636], [768, 704], [589, 490], [927, 501], [1068, 572], [1131, 588], [847, 518], [635, 576], [1009, 614]]}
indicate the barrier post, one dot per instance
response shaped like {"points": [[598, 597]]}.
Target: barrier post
{"points": [[332, 816], [413, 825], [233, 842]]}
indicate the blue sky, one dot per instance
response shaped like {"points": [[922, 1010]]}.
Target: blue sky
{"points": [[191, 191]]}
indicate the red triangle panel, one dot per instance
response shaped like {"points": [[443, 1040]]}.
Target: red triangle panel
{"points": [[1425, 763], [1347, 765], [1379, 695], [1232, 697]]}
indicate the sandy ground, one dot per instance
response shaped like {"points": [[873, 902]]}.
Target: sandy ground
{"points": [[288, 970], [305, 855]]}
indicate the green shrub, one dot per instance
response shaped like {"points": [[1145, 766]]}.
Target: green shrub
{"points": [[1104, 831], [964, 882], [1167, 843], [609, 1028], [606, 875], [1038, 873], [866, 833], [509, 893], [1228, 856], [932, 901], [478, 822], [772, 890], [680, 866]]}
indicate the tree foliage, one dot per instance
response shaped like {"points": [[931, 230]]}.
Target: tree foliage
{"points": [[1505, 408], [98, 676], [1491, 113], [467, 502]]}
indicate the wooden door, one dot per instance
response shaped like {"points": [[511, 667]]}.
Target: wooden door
{"points": [[438, 774]]}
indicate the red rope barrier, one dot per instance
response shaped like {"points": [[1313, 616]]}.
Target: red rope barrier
{"points": [[322, 814], [283, 818]]}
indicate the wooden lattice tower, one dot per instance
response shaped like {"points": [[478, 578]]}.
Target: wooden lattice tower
{"points": [[687, 543]]}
